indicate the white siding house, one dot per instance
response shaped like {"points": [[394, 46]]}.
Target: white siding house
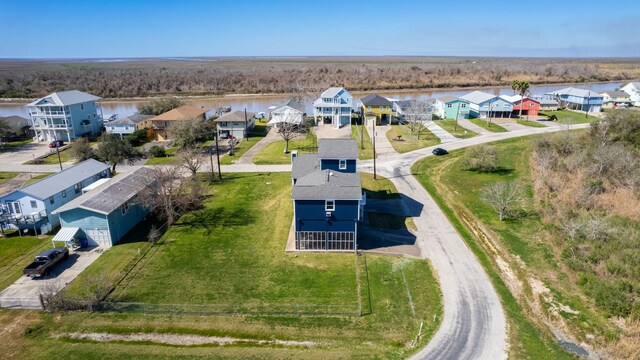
{"points": [[31, 207], [334, 107], [633, 89], [66, 115], [128, 125]]}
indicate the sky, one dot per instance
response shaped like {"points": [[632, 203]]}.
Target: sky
{"points": [[185, 28]]}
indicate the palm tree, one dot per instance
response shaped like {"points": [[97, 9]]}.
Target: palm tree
{"points": [[521, 87]]}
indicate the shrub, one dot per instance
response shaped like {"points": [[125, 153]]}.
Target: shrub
{"points": [[138, 137], [481, 158], [158, 151]]}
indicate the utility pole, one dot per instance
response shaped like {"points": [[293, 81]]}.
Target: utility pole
{"points": [[58, 151], [586, 114], [246, 131], [362, 129], [455, 126], [218, 157], [374, 148]]}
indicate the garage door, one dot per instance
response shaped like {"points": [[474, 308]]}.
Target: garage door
{"points": [[98, 237]]}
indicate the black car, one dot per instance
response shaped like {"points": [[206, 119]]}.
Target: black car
{"points": [[56, 143], [439, 151]]}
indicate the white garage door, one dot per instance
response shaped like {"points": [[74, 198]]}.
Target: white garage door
{"points": [[98, 237]]}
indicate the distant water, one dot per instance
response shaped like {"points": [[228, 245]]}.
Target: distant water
{"points": [[261, 103]]}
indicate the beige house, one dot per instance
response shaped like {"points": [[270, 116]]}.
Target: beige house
{"points": [[616, 99], [159, 124]]}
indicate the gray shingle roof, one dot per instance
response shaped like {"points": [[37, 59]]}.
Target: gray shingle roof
{"points": [[66, 178], [478, 97], [63, 98], [576, 92], [130, 120], [235, 116], [615, 94], [337, 149], [548, 102], [112, 194], [328, 184], [446, 99], [375, 100], [304, 164]]}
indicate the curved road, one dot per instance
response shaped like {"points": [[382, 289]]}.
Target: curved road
{"points": [[474, 325]]}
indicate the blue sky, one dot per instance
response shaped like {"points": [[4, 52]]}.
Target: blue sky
{"points": [[159, 28]]}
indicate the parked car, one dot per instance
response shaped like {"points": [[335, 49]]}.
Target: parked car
{"points": [[439, 151], [46, 260], [56, 143]]}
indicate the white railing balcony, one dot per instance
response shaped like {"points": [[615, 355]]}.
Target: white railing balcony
{"points": [[47, 113], [52, 126]]}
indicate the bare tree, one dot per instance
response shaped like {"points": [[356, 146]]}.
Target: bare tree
{"points": [[171, 193], [190, 158], [290, 125], [503, 197], [419, 117]]}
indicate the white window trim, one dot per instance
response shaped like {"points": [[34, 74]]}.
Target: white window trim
{"points": [[342, 164], [326, 205]]}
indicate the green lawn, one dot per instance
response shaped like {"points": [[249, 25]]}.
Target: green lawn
{"points": [[532, 123], [7, 175], [483, 123], [274, 152], [36, 178], [166, 160], [569, 117], [15, 144], [230, 255], [410, 142], [243, 146], [365, 152], [65, 155], [457, 192], [17, 252], [457, 131]]}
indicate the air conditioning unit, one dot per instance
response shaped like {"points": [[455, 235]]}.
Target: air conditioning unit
{"points": [[328, 213]]}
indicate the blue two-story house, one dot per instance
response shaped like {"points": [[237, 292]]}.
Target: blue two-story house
{"points": [[578, 99], [103, 215], [66, 115], [334, 106], [483, 105], [327, 197], [32, 206]]}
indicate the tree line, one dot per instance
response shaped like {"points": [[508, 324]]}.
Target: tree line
{"points": [[139, 78]]}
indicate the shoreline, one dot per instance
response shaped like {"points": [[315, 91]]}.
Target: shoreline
{"points": [[22, 101]]}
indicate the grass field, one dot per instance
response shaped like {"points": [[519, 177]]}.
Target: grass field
{"points": [[273, 153], [569, 117], [483, 124], [457, 131], [457, 192], [7, 175], [258, 133], [36, 178], [17, 252], [14, 144], [531, 123], [366, 152], [166, 160], [65, 155], [231, 253], [410, 142]]}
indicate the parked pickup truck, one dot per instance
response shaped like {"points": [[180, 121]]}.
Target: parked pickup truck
{"points": [[46, 260]]}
